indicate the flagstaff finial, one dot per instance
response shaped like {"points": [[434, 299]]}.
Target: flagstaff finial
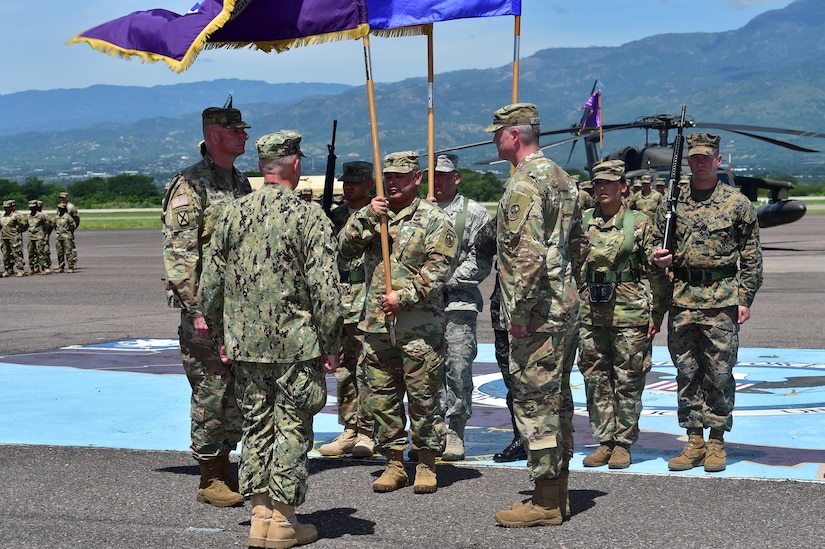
{"points": [[228, 104]]}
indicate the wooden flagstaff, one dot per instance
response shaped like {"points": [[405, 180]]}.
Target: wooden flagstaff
{"points": [[430, 114]]}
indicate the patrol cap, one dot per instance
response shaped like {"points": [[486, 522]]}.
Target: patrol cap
{"points": [[8, 203], [703, 143], [576, 177], [637, 183], [609, 170], [515, 114], [228, 118], [663, 181], [32, 203], [39, 203], [279, 144], [356, 171], [446, 163], [647, 178], [401, 162], [586, 184], [63, 195]]}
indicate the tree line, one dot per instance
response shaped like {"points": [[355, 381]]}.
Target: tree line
{"points": [[119, 191]]}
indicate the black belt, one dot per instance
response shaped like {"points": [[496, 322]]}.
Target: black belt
{"points": [[704, 276], [607, 277]]}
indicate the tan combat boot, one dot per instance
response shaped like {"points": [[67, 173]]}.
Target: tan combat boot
{"points": [[601, 456], [364, 446], [620, 458], [261, 518], [226, 474], [342, 444], [693, 454], [716, 457], [394, 476], [425, 478], [285, 531], [212, 489], [541, 510], [454, 451], [564, 494]]}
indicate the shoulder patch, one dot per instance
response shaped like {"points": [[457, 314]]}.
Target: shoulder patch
{"points": [[179, 201]]}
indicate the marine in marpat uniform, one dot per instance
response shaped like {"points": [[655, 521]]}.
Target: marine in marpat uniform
{"points": [[716, 262], [619, 317], [12, 226], [194, 200], [270, 293], [352, 391], [423, 245], [541, 248], [463, 301]]}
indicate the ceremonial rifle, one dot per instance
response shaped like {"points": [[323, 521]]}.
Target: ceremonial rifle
{"points": [[673, 185], [326, 198]]}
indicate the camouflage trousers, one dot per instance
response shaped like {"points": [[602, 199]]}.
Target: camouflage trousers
{"points": [[38, 254], [456, 394], [704, 345], [216, 420], [352, 390], [614, 363], [278, 402], [12, 254], [413, 366], [64, 254], [542, 399]]}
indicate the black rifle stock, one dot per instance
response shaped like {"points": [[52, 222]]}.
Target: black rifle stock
{"points": [[329, 179], [673, 185]]}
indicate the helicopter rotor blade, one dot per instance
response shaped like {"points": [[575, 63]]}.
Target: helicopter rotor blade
{"points": [[784, 144]]}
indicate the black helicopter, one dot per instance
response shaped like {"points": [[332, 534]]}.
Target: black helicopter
{"points": [[655, 158]]}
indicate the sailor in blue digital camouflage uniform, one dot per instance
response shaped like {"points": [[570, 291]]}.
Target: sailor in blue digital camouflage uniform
{"points": [[716, 260]]}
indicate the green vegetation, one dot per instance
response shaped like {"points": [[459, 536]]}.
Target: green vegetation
{"points": [[120, 191], [126, 219]]}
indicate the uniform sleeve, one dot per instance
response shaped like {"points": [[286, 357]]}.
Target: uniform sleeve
{"points": [[358, 232], [324, 283], [210, 291], [750, 258], [441, 248], [181, 246], [660, 287], [477, 265]]}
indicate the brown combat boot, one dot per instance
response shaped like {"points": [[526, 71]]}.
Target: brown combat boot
{"points": [[213, 489], [226, 474], [541, 510], [693, 454], [601, 456], [394, 476], [285, 531], [342, 444], [425, 479], [715, 456], [620, 458], [261, 518], [364, 446]]}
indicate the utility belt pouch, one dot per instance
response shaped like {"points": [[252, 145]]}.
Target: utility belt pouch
{"points": [[601, 293]]}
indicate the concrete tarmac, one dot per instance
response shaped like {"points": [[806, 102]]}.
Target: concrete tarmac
{"points": [[65, 496]]}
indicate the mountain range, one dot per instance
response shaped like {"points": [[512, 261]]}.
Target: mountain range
{"points": [[771, 72]]}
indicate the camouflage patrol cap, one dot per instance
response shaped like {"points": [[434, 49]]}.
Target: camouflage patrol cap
{"points": [[63, 195], [703, 143], [446, 163], [609, 170], [515, 114], [279, 144], [228, 118], [401, 162], [576, 177], [356, 171], [8, 203], [637, 183], [586, 184], [646, 179], [39, 203], [662, 181], [32, 203]]}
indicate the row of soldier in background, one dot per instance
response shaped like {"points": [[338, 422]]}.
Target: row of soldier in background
{"points": [[39, 226], [271, 298]]}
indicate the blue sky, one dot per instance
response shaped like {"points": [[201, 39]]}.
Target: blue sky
{"points": [[35, 56]]}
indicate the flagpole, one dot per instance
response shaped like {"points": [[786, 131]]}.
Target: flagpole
{"points": [[516, 57], [379, 183], [430, 115]]}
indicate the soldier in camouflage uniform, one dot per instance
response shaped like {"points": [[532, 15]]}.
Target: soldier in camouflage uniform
{"points": [[646, 200], [423, 245], [541, 248], [618, 322], [71, 209], [12, 226], [463, 302], [194, 200], [64, 227], [270, 294], [39, 229], [716, 262], [352, 391], [586, 200]]}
